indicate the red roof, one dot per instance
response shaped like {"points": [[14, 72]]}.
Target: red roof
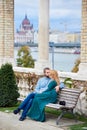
{"points": [[25, 21]]}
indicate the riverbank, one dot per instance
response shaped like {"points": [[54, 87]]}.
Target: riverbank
{"points": [[59, 50]]}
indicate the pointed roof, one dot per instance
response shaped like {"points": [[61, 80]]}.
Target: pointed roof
{"points": [[25, 21]]}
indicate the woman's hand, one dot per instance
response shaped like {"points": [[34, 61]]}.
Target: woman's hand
{"points": [[57, 88]]}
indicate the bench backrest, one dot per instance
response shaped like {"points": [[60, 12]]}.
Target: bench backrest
{"points": [[70, 96]]}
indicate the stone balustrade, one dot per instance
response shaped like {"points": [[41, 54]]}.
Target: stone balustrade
{"points": [[27, 78]]}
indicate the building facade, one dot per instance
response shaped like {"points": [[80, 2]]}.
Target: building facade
{"points": [[64, 37], [25, 34]]}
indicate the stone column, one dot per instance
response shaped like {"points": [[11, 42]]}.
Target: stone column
{"points": [[43, 35], [83, 64], [6, 31]]}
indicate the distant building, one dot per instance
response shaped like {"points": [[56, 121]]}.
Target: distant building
{"points": [[25, 34], [74, 37], [61, 37], [57, 37], [64, 37]]}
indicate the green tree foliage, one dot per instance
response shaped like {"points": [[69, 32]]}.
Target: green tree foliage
{"points": [[68, 82], [24, 57], [76, 66], [8, 87]]}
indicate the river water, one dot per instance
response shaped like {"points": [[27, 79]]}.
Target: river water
{"points": [[62, 61]]}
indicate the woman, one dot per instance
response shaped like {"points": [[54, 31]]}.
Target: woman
{"points": [[37, 110]]}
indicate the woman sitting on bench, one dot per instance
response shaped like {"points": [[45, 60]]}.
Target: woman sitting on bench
{"points": [[37, 110]]}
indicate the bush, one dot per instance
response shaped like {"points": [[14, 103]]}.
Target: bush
{"points": [[68, 82], [24, 57], [8, 87]]}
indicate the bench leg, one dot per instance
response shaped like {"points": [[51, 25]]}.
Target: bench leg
{"points": [[63, 112], [74, 115], [59, 117]]}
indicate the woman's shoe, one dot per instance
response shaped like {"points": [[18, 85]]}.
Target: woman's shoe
{"points": [[16, 111]]}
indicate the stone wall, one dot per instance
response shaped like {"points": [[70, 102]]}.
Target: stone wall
{"points": [[6, 30], [84, 32]]}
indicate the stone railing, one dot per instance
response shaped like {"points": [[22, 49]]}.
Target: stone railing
{"points": [[26, 82], [27, 78]]}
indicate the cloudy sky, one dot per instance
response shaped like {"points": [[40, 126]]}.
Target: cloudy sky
{"points": [[65, 15]]}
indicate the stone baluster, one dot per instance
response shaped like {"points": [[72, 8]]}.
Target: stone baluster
{"points": [[26, 83], [26, 88], [20, 87]]}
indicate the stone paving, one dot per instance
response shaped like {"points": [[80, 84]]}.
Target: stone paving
{"points": [[9, 121]]}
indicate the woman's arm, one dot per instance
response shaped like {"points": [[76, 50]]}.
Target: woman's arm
{"points": [[51, 85]]}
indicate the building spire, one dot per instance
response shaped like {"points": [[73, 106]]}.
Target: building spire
{"points": [[26, 16]]}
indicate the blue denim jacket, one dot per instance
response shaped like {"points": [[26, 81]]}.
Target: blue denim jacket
{"points": [[42, 85]]}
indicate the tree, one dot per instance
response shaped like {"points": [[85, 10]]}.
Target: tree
{"points": [[76, 66], [8, 87], [24, 57]]}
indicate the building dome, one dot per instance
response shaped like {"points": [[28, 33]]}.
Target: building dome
{"points": [[25, 21], [26, 24]]}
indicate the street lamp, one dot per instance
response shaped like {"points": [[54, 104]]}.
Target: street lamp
{"points": [[52, 50]]}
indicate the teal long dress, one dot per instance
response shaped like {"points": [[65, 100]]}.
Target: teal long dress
{"points": [[37, 110]]}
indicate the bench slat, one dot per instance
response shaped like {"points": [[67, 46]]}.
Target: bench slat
{"points": [[68, 96], [55, 106], [68, 101], [71, 90], [69, 93]]}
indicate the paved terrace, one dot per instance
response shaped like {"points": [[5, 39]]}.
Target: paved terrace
{"points": [[9, 121]]}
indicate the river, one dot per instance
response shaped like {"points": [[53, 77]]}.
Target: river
{"points": [[62, 61]]}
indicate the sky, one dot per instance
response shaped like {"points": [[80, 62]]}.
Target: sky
{"points": [[65, 15]]}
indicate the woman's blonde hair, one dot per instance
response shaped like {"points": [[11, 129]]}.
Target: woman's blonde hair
{"points": [[54, 75]]}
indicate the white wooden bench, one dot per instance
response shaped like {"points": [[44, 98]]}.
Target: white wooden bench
{"points": [[70, 96]]}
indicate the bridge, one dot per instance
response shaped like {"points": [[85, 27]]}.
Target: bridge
{"points": [[51, 44]]}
